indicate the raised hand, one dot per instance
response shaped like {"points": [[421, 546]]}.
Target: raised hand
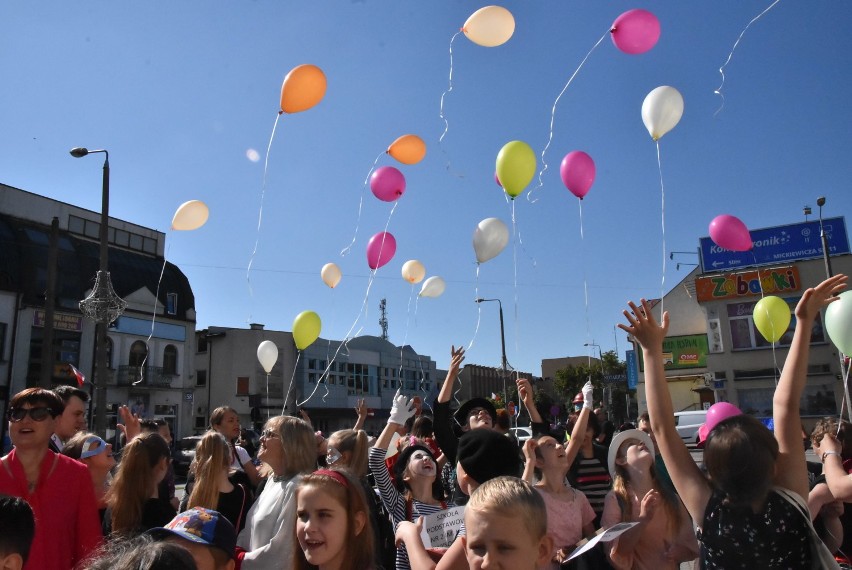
{"points": [[401, 409], [643, 326]]}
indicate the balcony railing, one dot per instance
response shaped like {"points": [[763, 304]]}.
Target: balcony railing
{"points": [[145, 377]]}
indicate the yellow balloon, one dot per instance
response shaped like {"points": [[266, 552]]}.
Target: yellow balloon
{"points": [[771, 317], [490, 26], [515, 167], [306, 329], [190, 215], [408, 149], [330, 274]]}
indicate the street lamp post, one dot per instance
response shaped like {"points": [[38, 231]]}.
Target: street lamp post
{"points": [[103, 305], [824, 238], [503, 347]]}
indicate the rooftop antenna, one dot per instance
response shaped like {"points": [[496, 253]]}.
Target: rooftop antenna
{"points": [[383, 321]]}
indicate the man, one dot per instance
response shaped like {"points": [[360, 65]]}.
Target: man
{"points": [[73, 419], [209, 537]]}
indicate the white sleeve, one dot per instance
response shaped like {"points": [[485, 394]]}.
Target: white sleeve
{"points": [[242, 456]]}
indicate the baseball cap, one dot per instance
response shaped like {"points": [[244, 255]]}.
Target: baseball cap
{"points": [[201, 526]]}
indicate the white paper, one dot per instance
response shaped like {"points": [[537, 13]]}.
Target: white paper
{"points": [[609, 534], [440, 529]]}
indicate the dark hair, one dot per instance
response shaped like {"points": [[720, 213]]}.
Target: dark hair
{"points": [[152, 424], [140, 553], [402, 464], [740, 456], [66, 391], [423, 427], [17, 526], [594, 424], [33, 396], [644, 417], [503, 421]]}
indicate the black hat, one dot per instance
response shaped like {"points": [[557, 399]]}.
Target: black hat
{"points": [[202, 526], [402, 463], [464, 410], [485, 454]]}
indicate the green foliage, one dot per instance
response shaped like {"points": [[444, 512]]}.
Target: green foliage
{"points": [[569, 381]]}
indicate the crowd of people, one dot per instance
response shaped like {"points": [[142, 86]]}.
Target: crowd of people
{"points": [[446, 490]]}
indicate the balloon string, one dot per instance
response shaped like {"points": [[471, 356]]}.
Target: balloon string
{"points": [[260, 211], [844, 367], [405, 336], [478, 308], [345, 251], [441, 111], [663, 224], [553, 117], [585, 280], [153, 322], [290, 386], [515, 268], [267, 395], [718, 90]]}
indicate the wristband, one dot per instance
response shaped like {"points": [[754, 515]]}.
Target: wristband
{"points": [[827, 453]]}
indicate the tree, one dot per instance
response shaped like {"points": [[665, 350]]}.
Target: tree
{"points": [[570, 380]]}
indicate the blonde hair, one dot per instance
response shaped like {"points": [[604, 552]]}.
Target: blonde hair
{"points": [[512, 497], [357, 444], [212, 456], [299, 441], [134, 481], [621, 488]]}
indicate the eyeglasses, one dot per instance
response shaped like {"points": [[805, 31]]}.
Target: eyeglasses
{"points": [[268, 433], [38, 414], [332, 456]]}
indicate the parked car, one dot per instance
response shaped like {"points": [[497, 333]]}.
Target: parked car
{"points": [[522, 433], [184, 453], [687, 424]]}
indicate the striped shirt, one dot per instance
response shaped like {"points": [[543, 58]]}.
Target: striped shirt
{"points": [[395, 503], [592, 478]]}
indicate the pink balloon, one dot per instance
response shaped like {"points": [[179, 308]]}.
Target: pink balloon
{"points": [[730, 233], [635, 31], [380, 249], [497, 180], [578, 173], [715, 414], [387, 183]]}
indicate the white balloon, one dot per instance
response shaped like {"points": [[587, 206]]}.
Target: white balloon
{"points": [[490, 26], [433, 287], [267, 354], [190, 215], [662, 110], [413, 271], [489, 238], [330, 274]]}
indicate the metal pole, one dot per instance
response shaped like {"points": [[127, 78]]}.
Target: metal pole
{"points": [[101, 328], [824, 238]]}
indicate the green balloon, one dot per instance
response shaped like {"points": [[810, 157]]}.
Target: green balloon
{"points": [[838, 322], [306, 329], [772, 317], [515, 167]]}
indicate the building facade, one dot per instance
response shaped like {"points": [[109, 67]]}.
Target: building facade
{"points": [[149, 346]]}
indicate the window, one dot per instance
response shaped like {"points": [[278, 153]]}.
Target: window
{"points": [[744, 333], [312, 377], [200, 422], [202, 344], [170, 355], [312, 363], [122, 238], [138, 352], [201, 378], [242, 385], [171, 303]]}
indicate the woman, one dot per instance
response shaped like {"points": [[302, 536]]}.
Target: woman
{"points": [[226, 421], [133, 501], [416, 489], [663, 538], [96, 455], [289, 449], [58, 489], [749, 509], [332, 524], [211, 487]]}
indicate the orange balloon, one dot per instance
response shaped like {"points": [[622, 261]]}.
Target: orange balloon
{"points": [[408, 149], [303, 88]]}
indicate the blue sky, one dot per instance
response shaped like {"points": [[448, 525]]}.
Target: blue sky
{"points": [[178, 93]]}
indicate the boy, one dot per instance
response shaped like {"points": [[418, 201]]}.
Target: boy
{"points": [[17, 528], [207, 535], [494, 536]]}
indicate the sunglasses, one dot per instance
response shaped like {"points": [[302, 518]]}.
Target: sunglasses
{"points": [[38, 414], [268, 433]]}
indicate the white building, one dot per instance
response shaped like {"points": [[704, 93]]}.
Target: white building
{"points": [[148, 346]]}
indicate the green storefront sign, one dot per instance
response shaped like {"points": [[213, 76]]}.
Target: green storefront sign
{"points": [[688, 351]]}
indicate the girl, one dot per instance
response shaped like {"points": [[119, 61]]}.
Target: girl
{"points": [[588, 472], [211, 488], [289, 449], [133, 502], [570, 517], [226, 421], [663, 538], [750, 509], [417, 489], [96, 455], [332, 523]]}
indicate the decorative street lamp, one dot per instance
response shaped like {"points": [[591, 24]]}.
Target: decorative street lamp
{"points": [[102, 305]]}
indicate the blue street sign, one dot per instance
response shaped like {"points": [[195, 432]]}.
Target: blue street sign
{"points": [[779, 244], [632, 370]]}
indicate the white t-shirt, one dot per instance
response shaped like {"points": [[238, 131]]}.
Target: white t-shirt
{"points": [[268, 536], [240, 459]]}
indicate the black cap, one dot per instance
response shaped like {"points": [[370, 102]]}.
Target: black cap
{"points": [[485, 454]]}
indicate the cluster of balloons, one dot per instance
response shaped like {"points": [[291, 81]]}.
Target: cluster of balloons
{"points": [[190, 215], [306, 329], [730, 232]]}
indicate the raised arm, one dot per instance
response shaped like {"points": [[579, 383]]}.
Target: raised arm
{"points": [[457, 357], [790, 471], [362, 411], [838, 480], [690, 483], [401, 410], [572, 448]]}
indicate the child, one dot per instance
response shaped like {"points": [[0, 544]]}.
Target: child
{"points": [[17, 528], [663, 538], [507, 527], [332, 523], [205, 533], [744, 520]]}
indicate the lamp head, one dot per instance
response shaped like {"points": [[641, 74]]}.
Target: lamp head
{"points": [[479, 300], [79, 152], [821, 201]]}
